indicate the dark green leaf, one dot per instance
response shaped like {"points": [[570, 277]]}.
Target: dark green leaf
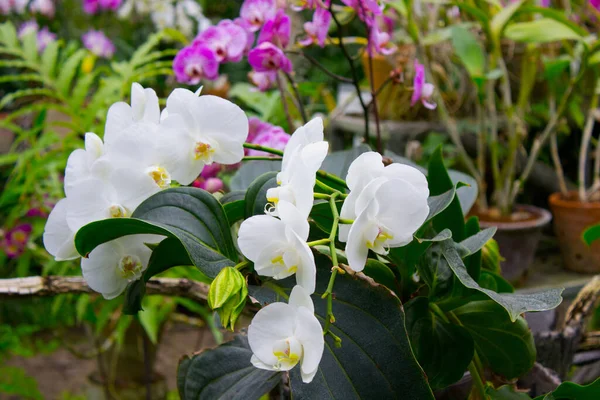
{"points": [[505, 392], [224, 373], [234, 205], [473, 244], [435, 272], [250, 171], [573, 391], [256, 195], [439, 203], [375, 360], [439, 183], [515, 304], [473, 262], [494, 282], [380, 273], [444, 350], [503, 345]]}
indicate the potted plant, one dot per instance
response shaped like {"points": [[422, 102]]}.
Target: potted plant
{"points": [[574, 211], [506, 150]]}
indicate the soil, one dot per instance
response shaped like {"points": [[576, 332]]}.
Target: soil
{"points": [[61, 371], [494, 215]]}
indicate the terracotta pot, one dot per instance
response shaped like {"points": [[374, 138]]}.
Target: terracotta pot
{"points": [[571, 218], [518, 240]]}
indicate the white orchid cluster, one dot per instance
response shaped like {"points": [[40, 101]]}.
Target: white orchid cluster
{"points": [[143, 152], [386, 205]]}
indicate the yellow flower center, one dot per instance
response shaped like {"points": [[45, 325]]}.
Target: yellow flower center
{"points": [[160, 176], [288, 353], [130, 267], [380, 240], [117, 211], [203, 151]]}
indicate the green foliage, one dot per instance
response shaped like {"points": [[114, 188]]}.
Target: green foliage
{"points": [[227, 295], [15, 382], [573, 391], [591, 234]]}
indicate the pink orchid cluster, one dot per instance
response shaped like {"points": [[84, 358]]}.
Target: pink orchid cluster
{"points": [[265, 134], [43, 36], [94, 6], [15, 240], [42, 7], [98, 43], [422, 91], [208, 179]]}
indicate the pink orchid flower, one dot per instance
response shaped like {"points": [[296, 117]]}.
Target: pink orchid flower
{"points": [[277, 30], [227, 40], [422, 91], [317, 29], [263, 80], [379, 42], [98, 43], [194, 63], [272, 136], [267, 57], [256, 12]]}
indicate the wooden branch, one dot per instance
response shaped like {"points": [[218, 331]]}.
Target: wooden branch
{"points": [[56, 285]]}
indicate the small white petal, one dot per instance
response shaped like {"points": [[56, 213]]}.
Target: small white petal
{"points": [[410, 175], [89, 201], [100, 270], [258, 232], [270, 324], [118, 118], [292, 217], [221, 118], [310, 334], [306, 274], [356, 247], [58, 238], [300, 297]]}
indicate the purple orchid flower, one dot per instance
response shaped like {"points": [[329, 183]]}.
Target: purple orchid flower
{"points": [[27, 27], [44, 38], [263, 80], [245, 25], [227, 40], [112, 5], [93, 6], [194, 63], [98, 43], [257, 12], [211, 185], [43, 7], [16, 239], [595, 4], [274, 137], [277, 30], [379, 42], [267, 57], [317, 29], [365, 9], [422, 91]]}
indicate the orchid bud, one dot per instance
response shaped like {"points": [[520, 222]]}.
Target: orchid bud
{"points": [[227, 295], [490, 256]]}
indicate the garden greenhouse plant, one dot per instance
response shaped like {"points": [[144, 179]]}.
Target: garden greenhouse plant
{"points": [[328, 269], [506, 150]]}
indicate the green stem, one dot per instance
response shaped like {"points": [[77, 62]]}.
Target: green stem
{"points": [[346, 221], [437, 311], [263, 158], [321, 196], [318, 242], [477, 382], [330, 319], [241, 265], [325, 187], [263, 148], [325, 174]]}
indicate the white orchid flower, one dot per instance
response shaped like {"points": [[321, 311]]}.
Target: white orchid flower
{"points": [[81, 164], [363, 171], [144, 107], [110, 267], [302, 158], [283, 335], [278, 246], [389, 212], [58, 237], [209, 128]]}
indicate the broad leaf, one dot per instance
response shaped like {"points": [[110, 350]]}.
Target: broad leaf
{"points": [[469, 51], [256, 195], [224, 373], [322, 216], [591, 234], [473, 262], [500, 20], [540, 31], [506, 392], [234, 205], [573, 391], [250, 170], [505, 346], [473, 244], [375, 359], [444, 350], [439, 183], [515, 304]]}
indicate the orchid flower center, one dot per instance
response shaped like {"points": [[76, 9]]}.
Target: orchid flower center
{"points": [[160, 176], [203, 152], [378, 245], [19, 237], [288, 352], [280, 262], [194, 70], [130, 266], [117, 211]]}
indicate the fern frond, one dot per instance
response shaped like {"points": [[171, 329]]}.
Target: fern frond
{"points": [[21, 78], [8, 35], [149, 74], [17, 64], [42, 92], [159, 55], [142, 51], [49, 57], [82, 89], [68, 71]]}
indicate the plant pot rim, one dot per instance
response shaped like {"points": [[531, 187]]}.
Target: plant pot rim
{"points": [[558, 200], [543, 217]]}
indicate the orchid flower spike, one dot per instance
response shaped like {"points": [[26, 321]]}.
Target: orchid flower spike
{"points": [[282, 336], [422, 91]]}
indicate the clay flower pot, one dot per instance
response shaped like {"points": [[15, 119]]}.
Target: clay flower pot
{"points": [[518, 237], [571, 218]]}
